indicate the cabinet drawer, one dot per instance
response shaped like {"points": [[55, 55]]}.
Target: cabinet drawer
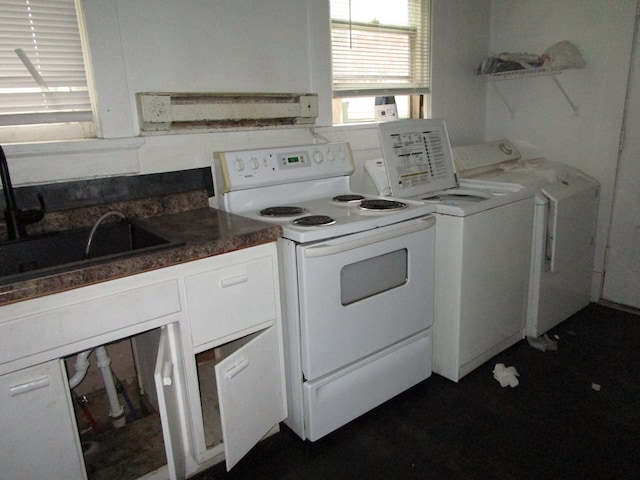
{"points": [[231, 299], [42, 331]]}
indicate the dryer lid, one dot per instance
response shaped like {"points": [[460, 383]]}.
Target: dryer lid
{"points": [[417, 155]]}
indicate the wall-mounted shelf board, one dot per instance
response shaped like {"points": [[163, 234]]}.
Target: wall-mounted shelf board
{"points": [[552, 72]]}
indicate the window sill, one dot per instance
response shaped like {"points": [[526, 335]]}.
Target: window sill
{"points": [[351, 126], [47, 162], [37, 149]]}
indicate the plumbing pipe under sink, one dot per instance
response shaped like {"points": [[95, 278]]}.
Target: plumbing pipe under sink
{"points": [[81, 366], [116, 410]]}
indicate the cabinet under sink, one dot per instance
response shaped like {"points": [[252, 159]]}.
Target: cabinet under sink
{"points": [[152, 409], [207, 341]]}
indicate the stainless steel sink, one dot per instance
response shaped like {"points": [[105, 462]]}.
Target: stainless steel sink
{"points": [[42, 255]]}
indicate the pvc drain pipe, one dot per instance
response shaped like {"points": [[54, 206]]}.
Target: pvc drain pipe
{"points": [[116, 410], [81, 366]]}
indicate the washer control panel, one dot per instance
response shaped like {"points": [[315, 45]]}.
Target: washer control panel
{"points": [[242, 169], [482, 155]]}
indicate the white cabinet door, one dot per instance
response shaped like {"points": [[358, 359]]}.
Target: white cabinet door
{"points": [[39, 437], [250, 392], [169, 380]]}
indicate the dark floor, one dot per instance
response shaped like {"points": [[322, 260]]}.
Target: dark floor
{"points": [[554, 425]]}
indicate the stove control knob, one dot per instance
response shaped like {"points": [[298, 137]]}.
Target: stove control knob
{"points": [[254, 163], [239, 164], [332, 156], [318, 157], [342, 155]]}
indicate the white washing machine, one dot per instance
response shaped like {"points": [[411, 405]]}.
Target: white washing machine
{"points": [[564, 226], [483, 244]]}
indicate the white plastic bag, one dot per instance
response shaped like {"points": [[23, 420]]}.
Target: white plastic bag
{"points": [[563, 54]]}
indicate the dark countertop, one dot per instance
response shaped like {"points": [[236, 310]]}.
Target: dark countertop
{"points": [[205, 232]]}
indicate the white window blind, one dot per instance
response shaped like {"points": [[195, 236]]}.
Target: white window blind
{"points": [[380, 47], [43, 78]]}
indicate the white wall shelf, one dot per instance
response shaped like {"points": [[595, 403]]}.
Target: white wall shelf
{"points": [[552, 72]]}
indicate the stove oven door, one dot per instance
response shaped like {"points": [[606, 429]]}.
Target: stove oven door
{"points": [[363, 292]]}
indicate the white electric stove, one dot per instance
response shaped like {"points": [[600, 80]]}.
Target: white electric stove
{"points": [[306, 189], [357, 275]]}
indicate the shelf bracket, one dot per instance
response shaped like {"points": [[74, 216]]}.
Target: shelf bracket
{"points": [[504, 99], [566, 95], [534, 72]]}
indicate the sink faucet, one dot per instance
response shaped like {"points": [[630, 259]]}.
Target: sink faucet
{"points": [[16, 219], [112, 213]]}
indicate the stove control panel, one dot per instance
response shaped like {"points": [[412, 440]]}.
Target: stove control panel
{"points": [[242, 169]]}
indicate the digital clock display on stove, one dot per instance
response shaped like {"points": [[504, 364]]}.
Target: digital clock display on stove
{"points": [[292, 160]]}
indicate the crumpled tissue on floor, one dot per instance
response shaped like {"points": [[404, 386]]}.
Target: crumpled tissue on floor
{"points": [[506, 375]]}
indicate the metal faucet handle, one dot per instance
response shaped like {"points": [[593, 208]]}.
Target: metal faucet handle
{"points": [[33, 215], [16, 218]]}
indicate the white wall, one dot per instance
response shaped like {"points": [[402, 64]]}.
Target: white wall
{"points": [[544, 124], [222, 46], [622, 278], [460, 42]]}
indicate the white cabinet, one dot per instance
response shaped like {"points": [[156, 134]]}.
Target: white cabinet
{"points": [[36, 334], [236, 373], [37, 428], [209, 352]]}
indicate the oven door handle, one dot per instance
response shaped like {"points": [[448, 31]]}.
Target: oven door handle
{"points": [[405, 228]]}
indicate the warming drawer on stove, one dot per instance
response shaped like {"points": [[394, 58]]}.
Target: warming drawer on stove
{"points": [[336, 399]]}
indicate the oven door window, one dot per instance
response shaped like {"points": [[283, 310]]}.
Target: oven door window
{"points": [[362, 279]]}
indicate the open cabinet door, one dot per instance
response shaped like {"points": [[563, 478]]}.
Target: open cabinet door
{"points": [[250, 393], [169, 387]]}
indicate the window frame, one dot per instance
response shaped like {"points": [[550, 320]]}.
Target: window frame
{"points": [[60, 129], [419, 95]]}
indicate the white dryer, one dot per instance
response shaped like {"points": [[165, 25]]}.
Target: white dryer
{"points": [[564, 226], [483, 244]]}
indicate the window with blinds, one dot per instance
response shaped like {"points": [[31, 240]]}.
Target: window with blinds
{"points": [[43, 78], [379, 48]]}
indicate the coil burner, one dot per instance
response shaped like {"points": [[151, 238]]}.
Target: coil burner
{"points": [[351, 198], [282, 211], [382, 205], [314, 221]]}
